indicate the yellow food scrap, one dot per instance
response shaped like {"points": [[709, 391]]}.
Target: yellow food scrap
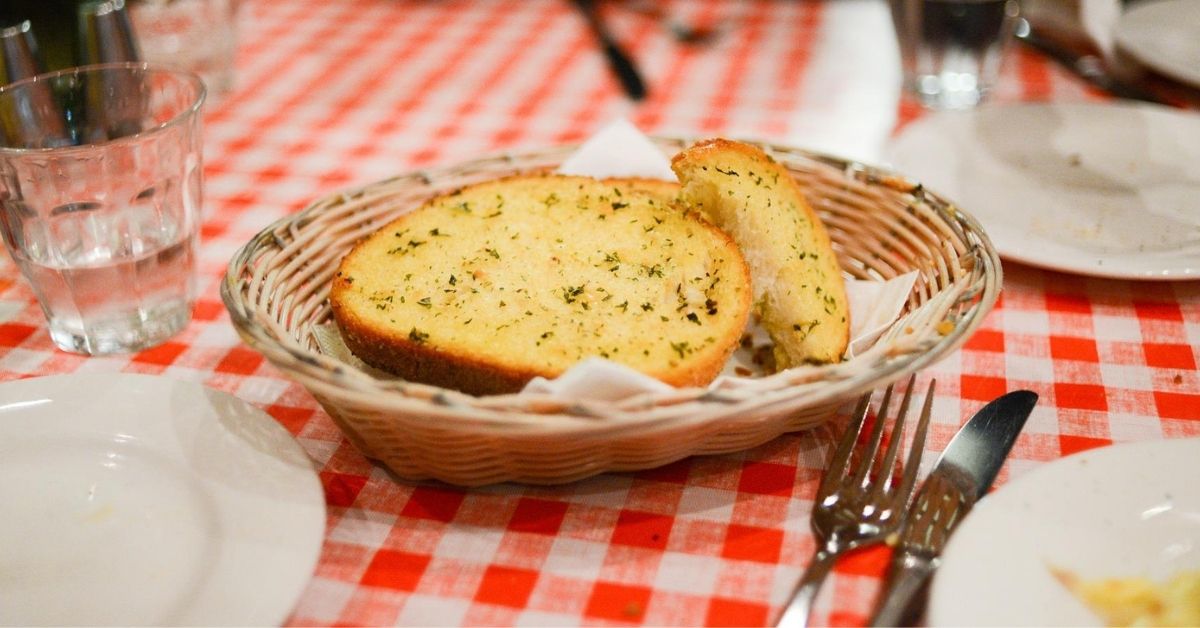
{"points": [[1141, 601], [945, 327]]}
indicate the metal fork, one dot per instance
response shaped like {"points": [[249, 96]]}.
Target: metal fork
{"points": [[860, 504]]}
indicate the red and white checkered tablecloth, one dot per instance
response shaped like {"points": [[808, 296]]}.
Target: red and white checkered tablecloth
{"points": [[333, 94]]}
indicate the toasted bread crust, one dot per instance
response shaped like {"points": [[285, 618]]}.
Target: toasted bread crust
{"points": [[485, 288], [799, 291], [664, 191]]}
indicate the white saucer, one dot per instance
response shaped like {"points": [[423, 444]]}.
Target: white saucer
{"points": [[1104, 190], [1121, 511], [1164, 36], [130, 499]]}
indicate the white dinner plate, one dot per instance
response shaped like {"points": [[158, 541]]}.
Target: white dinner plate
{"points": [[131, 499], [1122, 511], [1110, 190], [1164, 36]]}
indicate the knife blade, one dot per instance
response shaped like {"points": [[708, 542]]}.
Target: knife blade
{"points": [[962, 474], [1089, 67]]}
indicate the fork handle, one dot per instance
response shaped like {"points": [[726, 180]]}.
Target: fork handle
{"points": [[795, 614]]}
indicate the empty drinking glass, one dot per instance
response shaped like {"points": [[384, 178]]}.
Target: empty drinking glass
{"points": [[199, 36], [100, 192]]}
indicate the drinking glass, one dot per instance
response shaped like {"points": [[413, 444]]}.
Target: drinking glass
{"points": [[951, 50], [195, 35], [100, 193]]}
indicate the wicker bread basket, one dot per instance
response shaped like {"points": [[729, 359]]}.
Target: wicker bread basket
{"points": [[882, 226]]}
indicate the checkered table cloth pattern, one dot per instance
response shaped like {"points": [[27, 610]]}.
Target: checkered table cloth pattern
{"points": [[333, 94]]}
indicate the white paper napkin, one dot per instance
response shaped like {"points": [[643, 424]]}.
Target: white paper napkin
{"points": [[618, 150], [621, 150]]}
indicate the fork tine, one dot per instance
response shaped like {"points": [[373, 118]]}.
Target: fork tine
{"points": [[841, 456], [867, 462], [893, 449], [855, 511], [918, 447]]}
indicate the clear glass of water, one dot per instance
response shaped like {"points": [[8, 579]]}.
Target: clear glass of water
{"points": [[952, 50], [100, 194]]}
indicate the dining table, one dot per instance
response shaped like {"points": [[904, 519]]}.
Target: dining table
{"points": [[332, 95]]}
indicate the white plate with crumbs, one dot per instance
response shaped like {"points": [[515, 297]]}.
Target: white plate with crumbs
{"points": [[1125, 511], [1110, 190], [1164, 36], [138, 500]]}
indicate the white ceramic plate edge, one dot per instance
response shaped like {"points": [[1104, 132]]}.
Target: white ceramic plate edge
{"points": [[938, 133], [195, 497], [1155, 20], [1119, 511]]}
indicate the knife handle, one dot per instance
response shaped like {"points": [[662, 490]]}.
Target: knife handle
{"points": [[627, 73], [619, 62], [904, 585]]}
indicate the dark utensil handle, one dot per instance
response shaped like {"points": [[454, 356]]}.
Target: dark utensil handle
{"points": [[618, 60], [625, 70]]}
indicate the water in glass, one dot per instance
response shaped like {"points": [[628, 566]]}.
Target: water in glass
{"points": [[105, 300], [952, 50]]}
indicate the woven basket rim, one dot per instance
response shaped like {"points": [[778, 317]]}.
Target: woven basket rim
{"points": [[602, 417]]}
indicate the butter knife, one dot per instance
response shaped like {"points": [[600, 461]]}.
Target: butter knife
{"points": [[963, 474]]}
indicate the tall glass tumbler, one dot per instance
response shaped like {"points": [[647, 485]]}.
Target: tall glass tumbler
{"points": [[100, 193], [951, 51]]}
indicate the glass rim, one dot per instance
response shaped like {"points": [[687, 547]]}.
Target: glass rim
{"points": [[186, 113]]}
